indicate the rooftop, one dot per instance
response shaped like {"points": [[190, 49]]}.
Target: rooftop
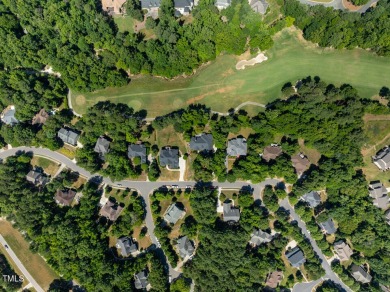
{"points": [[185, 246], [8, 116], [258, 237], [343, 250], [126, 245], [296, 257], [274, 279], [360, 274], [312, 198], [169, 157], [202, 142], [237, 147], [300, 163], [40, 118], [259, 6], [102, 145], [271, 152], [328, 226], [141, 280], [65, 197], [173, 214], [230, 213], [137, 150], [382, 159], [111, 210]]}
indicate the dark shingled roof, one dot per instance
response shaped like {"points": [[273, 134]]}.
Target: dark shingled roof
{"points": [[173, 214], [237, 147], [141, 280], [296, 257], [68, 136], [102, 145], [328, 226], [137, 150], [169, 157], [126, 245], [202, 142], [312, 198], [185, 246], [230, 213]]}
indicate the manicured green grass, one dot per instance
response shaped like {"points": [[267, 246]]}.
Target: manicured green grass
{"points": [[220, 86], [124, 23]]}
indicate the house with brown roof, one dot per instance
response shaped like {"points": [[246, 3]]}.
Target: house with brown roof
{"points": [[64, 197], [40, 118], [274, 279], [111, 210], [272, 152], [113, 7], [360, 274], [300, 163], [343, 250]]}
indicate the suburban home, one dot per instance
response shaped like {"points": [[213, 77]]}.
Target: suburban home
{"points": [[102, 146], [141, 280], [258, 237], [169, 157], [300, 163], [185, 246], [36, 177], [343, 250], [137, 150], [173, 214], [111, 211], [40, 118], [382, 159], [64, 197], [360, 274], [387, 216], [202, 142], [113, 7], [328, 227], [379, 193], [296, 257], [230, 214], [127, 246], [312, 198], [182, 7], [68, 136], [237, 147], [222, 4], [8, 116], [274, 279], [272, 152], [259, 6]]}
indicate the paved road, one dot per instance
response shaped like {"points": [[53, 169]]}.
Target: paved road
{"points": [[338, 4], [306, 286], [21, 266], [325, 265]]}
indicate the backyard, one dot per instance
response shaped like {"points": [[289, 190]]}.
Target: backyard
{"points": [[220, 86]]}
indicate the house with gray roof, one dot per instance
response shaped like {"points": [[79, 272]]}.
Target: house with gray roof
{"points": [[343, 250], [258, 237], [68, 136], [127, 246], [182, 7], [387, 216], [203, 142], [185, 246], [360, 274], [296, 257], [378, 192], [173, 214], [141, 280], [169, 157], [102, 146], [222, 4], [230, 214], [312, 198], [382, 159], [36, 177], [328, 227], [8, 116], [259, 6], [237, 147], [137, 150]]}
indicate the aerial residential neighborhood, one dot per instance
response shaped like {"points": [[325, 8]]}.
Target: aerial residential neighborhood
{"points": [[195, 145]]}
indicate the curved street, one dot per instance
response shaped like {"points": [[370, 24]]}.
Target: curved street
{"points": [[338, 4], [145, 188]]}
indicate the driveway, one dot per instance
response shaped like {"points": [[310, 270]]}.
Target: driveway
{"points": [[307, 286], [338, 4], [21, 266]]}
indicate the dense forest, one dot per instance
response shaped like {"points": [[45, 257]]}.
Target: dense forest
{"points": [[341, 29], [82, 43]]}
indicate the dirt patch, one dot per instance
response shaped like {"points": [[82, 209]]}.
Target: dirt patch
{"points": [[370, 117], [80, 100], [348, 5], [228, 72]]}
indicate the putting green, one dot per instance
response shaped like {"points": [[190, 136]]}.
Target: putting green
{"points": [[220, 86]]}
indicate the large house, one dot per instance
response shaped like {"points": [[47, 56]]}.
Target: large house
{"points": [[111, 210], [258, 237], [68, 136], [113, 7], [8, 116], [127, 246], [360, 274], [202, 142], [169, 157], [328, 227], [64, 197], [173, 214], [230, 214], [102, 146], [185, 246], [141, 280], [300, 163], [312, 198], [296, 257], [36, 178], [137, 150], [379, 194], [259, 6], [237, 147], [182, 7], [40, 118], [382, 159], [343, 250], [272, 152]]}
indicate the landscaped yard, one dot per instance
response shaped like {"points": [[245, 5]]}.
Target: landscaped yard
{"points": [[47, 165], [34, 263], [220, 86], [124, 23], [68, 151]]}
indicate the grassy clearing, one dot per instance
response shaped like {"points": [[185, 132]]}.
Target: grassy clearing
{"points": [[169, 137], [143, 242], [312, 154], [124, 23], [169, 175], [34, 263], [68, 151], [220, 86], [47, 165]]}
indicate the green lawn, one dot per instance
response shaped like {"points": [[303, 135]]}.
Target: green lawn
{"points": [[124, 23], [220, 86]]}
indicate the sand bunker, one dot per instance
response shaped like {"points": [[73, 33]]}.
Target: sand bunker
{"points": [[258, 59]]}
